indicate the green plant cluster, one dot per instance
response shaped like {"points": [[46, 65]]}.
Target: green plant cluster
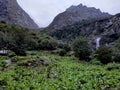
{"points": [[82, 48], [104, 54], [20, 39], [62, 73]]}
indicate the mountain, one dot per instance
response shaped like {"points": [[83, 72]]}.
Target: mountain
{"points": [[76, 14], [107, 30], [12, 13]]}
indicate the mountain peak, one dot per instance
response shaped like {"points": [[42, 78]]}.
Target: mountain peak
{"points": [[83, 8], [73, 7], [12, 13], [77, 14]]}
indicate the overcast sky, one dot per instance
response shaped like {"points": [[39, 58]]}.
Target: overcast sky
{"points": [[44, 11]]}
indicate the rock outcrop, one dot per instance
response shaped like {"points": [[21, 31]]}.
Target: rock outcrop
{"points": [[13, 14]]}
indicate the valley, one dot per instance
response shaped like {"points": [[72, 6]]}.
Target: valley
{"points": [[79, 50]]}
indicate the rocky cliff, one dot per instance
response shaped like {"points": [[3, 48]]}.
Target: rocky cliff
{"points": [[76, 14], [106, 30], [12, 13]]}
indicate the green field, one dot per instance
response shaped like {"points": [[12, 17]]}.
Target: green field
{"points": [[58, 73]]}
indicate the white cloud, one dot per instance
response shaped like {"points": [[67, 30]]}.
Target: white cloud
{"points": [[44, 11]]}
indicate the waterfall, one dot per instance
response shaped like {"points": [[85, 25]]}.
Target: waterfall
{"points": [[98, 42]]}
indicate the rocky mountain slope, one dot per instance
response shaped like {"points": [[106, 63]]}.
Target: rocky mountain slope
{"points": [[76, 14], [12, 13], [106, 30]]}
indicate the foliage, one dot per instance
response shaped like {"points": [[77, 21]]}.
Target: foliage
{"points": [[62, 52], [81, 48], [63, 73], [48, 44], [116, 50], [60, 45], [113, 66], [104, 54], [20, 39], [116, 55], [67, 47], [95, 62]]}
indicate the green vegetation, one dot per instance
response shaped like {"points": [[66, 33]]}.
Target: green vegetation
{"points": [[36, 61], [20, 39], [82, 48], [104, 54], [62, 52], [116, 50], [48, 44], [58, 73]]}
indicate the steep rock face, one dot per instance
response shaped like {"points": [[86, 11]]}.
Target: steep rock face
{"points": [[13, 14], [76, 14], [107, 29]]}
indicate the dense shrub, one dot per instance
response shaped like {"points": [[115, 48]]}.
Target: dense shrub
{"points": [[95, 62], [62, 52], [64, 46], [116, 55], [32, 44], [112, 66], [81, 48], [18, 39], [2, 64], [48, 44], [60, 45], [18, 58], [67, 47], [20, 51], [116, 50], [13, 38], [104, 54]]}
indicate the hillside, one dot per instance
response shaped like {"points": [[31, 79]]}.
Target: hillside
{"points": [[19, 39], [12, 13], [107, 29], [76, 14]]}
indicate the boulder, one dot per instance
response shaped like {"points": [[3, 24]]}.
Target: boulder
{"points": [[45, 61]]}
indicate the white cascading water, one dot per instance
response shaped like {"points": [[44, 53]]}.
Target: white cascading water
{"points": [[98, 42]]}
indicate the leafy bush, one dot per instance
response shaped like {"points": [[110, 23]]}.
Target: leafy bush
{"points": [[104, 54], [62, 52], [67, 47], [48, 44], [26, 62], [19, 51], [60, 45], [112, 66], [18, 58], [95, 62], [2, 64], [116, 50], [81, 48], [18, 39], [64, 46], [116, 55], [3, 83], [32, 44]]}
